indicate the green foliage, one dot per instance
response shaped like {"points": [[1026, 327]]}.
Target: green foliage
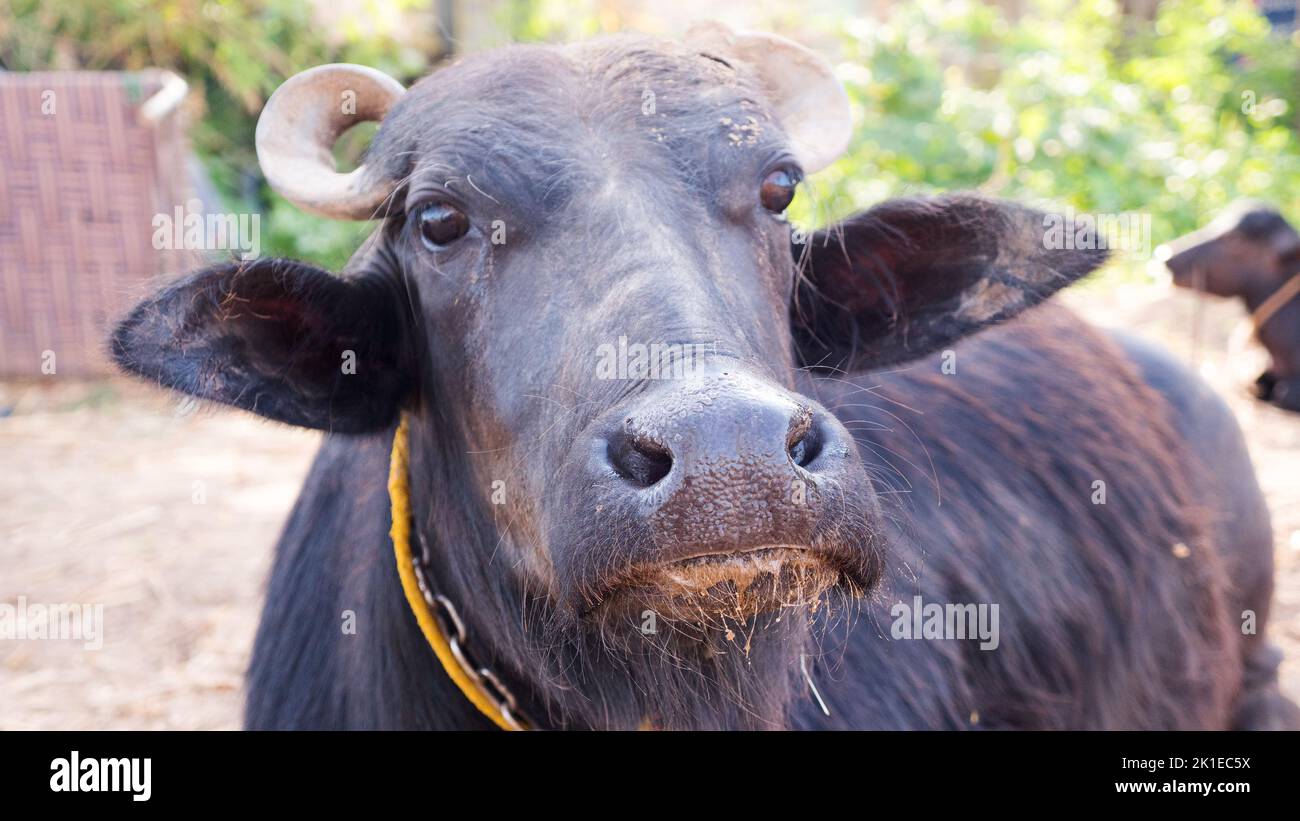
{"points": [[1071, 106], [549, 21], [233, 53]]}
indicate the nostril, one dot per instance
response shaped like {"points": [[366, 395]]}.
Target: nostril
{"points": [[639, 460], [799, 453], [803, 442]]}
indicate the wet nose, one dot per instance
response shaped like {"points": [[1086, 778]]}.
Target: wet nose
{"points": [[725, 462], [754, 438]]}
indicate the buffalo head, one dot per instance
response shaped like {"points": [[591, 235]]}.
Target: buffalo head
{"points": [[1247, 251]]}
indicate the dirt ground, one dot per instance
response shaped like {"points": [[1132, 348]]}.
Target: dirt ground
{"points": [[166, 514]]}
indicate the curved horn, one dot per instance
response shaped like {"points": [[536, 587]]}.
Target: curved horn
{"points": [[807, 100], [299, 126]]}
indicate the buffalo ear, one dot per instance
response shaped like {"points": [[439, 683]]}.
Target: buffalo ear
{"points": [[283, 339], [912, 276]]}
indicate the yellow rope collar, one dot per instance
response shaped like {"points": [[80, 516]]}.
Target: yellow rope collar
{"points": [[1275, 302], [499, 707]]}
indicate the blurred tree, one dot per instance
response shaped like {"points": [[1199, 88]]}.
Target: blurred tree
{"points": [[1191, 113], [234, 53]]}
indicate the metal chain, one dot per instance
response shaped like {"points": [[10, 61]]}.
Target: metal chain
{"points": [[488, 682]]}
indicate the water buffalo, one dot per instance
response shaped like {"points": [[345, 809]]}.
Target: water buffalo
{"points": [[1253, 254], [757, 531]]}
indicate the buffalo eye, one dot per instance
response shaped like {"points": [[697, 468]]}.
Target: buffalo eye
{"points": [[442, 223], [778, 189]]}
